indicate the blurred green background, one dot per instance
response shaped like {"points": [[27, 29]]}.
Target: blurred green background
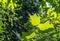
{"points": [[29, 20]]}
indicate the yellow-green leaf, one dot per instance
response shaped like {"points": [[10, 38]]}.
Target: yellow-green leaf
{"points": [[45, 26], [54, 35], [31, 36], [34, 19]]}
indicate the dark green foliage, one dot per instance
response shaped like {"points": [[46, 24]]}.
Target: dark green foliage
{"points": [[28, 7], [13, 22]]}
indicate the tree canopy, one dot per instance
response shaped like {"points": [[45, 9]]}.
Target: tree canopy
{"points": [[29, 20]]}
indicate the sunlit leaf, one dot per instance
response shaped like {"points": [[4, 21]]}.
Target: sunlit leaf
{"points": [[31, 35], [54, 35], [45, 26], [34, 19], [0, 0], [49, 11], [54, 14]]}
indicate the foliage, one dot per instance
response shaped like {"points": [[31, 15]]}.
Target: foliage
{"points": [[29, 20], [34, 19]]}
